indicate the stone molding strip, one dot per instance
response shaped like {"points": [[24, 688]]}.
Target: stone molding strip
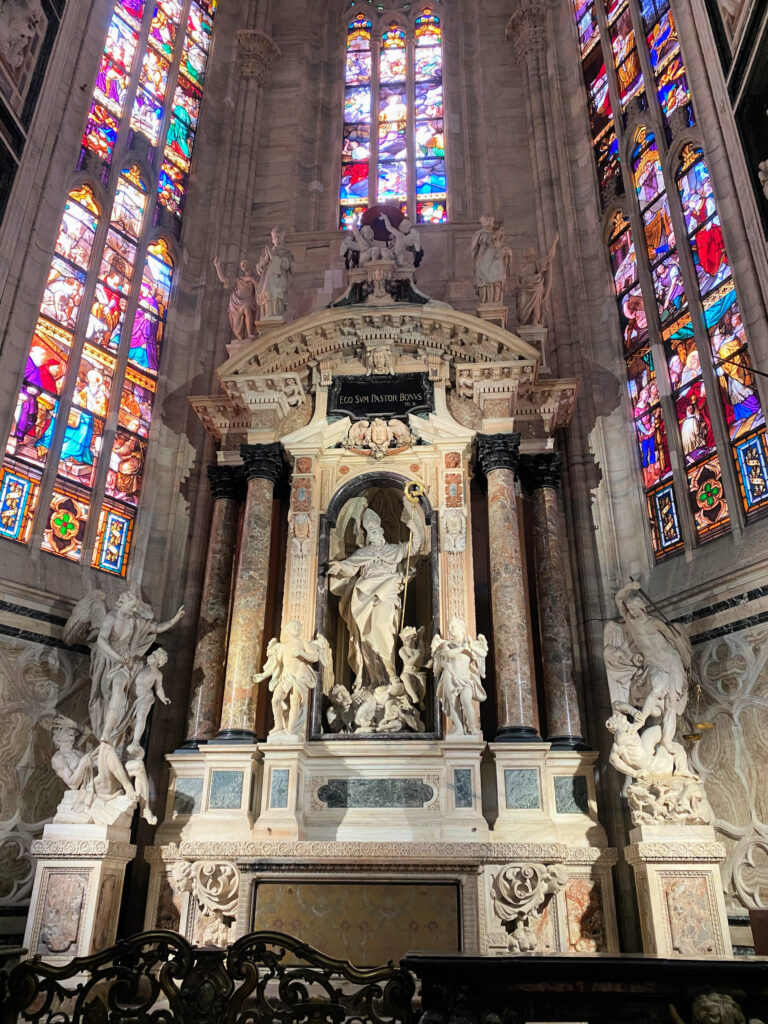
{"points": [[637, 853], [83, 849]]}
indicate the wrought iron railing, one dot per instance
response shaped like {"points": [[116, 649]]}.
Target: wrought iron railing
{"points": [[158, 977], [271, 978]]}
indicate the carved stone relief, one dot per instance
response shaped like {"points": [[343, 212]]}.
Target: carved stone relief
{"points": [[36, 684]]}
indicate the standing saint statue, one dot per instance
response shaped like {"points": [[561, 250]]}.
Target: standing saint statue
{"points": [[289, 668], [275, 269], [242, 300], [492, 260], [534, 282], [369, 584]]}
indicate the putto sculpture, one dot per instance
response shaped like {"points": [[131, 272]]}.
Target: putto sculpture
{"points": [[459, 666], [242, 300], [492, 261], [534, 281], [275, 271], [290, 669], [124, 685], [648, 662]]}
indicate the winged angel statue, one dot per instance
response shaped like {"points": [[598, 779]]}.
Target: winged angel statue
{"points": [[289, 668], [648, 663], [123, 686]]}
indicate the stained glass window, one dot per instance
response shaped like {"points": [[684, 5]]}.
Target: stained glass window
{"points": [[691, 384], [90, 380], [393, 148]]}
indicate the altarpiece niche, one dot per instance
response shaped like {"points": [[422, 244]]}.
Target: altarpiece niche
{"points": [[377, 603]]}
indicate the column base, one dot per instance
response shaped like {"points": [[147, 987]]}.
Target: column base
{"points": [[517, 734], [191, 744], [236, 736], [679, 890], [77, 891], [567, 742]]}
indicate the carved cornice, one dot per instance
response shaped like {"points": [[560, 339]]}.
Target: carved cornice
{"points": [[527, 29], [671, 853], [541, 470], [256, 55], [226, 482], [381, 854], [221, 415], [498, 451], [264, 461], [82, 849]]}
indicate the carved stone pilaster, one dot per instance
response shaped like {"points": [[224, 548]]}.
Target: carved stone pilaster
{"points": [[262, 460], [541, 470], [256, 54], [498, 451], [527, 29], [226, 482]]}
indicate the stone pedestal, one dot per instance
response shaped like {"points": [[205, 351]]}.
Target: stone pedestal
{"points": [[494, 312], [536, 335], [212, 792], [679, 891], [77, 890], [282, 815], [546, 794]]}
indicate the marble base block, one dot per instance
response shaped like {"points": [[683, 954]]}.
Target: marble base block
{"points": [[495, 312], [282, 815], [679, 890], [212, 791], [535, 335], [77, 890], [546, 794]]}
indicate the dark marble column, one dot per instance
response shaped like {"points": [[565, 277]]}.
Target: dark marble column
{"points": [[540, 475], [497, 457], [228, 489], [262, 467]]}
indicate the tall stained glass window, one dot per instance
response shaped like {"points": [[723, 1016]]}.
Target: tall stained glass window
{"points": [[73, 464], [393, 147], [696, 413]]}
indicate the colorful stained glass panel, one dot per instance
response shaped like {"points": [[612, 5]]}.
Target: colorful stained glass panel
{"points": [[753, 469], [126, 467], [76, 234], [111, 86], [634, 320], [117, 262], [359, 34], [100, 132], [65, 525], [358, 68], [428, 101], [351, 217], [665, 522], [81, 446], [430, 178], [393, 181], [63, 292], [393, 105], [709, 256], [596, 81], [199, 27], [162, 31], [662, 41], [357, 143], [357, 105], [586, 23], [128, 208], [428, 64], [193, 62], [34, 423], [392, 66], [428, 31], [710, 508], [354, 182], [171, 187], [180, 138], [147, 116], [623, 262], [653, 446], [135, 413], [187, 97], [121, 42], [659, 236], [17, 498], [668, 286], [696, 433], [146, 337], [674, 93], [392, 144], [106, 317], [431, 212], [625, 58], [94, 381], [132, 10], [430, 139], [154, 74], [113, 542]]}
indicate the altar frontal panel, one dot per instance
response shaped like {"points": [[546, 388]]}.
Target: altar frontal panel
{"points": [[365, 922]]}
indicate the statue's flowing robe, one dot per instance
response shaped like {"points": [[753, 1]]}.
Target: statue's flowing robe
{"points": [[453, 673], [132, 637], [369, 584]]}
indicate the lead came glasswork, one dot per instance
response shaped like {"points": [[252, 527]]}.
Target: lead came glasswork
{"points": [[407, 147], [91, 322]]}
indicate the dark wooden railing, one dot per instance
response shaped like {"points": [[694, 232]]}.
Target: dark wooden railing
{"points": [[270, 978]]}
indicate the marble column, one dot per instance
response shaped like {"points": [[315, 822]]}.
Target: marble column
{"points": [[540, 475], [262, 467], [227, 487], [497, 457]]}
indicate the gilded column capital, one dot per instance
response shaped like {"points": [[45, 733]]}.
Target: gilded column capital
{"points": [[527, 29], [226, 482], [256, 54], [262, 460], [498, 451], [543, 469]]}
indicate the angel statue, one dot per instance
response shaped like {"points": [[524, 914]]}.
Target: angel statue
{"points": [[289, 669], [123, 687], [404, 242], [459, 666], [648, 662], [369, 584]]}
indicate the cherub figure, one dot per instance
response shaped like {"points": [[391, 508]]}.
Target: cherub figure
{"points": [[289, 667], [148, 685], [404, 241], [412, 655], [361, 247], [459, 666]]}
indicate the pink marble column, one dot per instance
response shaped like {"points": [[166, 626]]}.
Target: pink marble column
{"points": [[497, 457], [227, 487], [541, 476], [262, 466]]}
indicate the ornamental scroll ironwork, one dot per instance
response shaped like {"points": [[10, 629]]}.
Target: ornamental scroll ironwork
{"points": [[157, 975]]}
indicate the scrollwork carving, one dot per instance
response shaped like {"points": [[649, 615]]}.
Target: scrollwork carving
{"points": [[520, 894]]}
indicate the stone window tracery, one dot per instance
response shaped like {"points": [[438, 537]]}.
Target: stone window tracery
{"points": [[72, 471], [694, 404], [393, 148]]}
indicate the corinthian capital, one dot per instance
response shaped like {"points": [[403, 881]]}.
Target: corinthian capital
{"points": [[527, 29], [256, 53]]}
